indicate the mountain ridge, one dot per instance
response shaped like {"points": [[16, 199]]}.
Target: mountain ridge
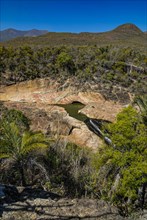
{"points": [[12, 33], [123, 35]]}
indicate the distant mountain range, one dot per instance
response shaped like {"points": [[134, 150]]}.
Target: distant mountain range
{"points": [[123, 35], [11, 33]]}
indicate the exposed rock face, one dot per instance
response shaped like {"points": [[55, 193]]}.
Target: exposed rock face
{"points": [[31, 203], [37, 99], [47, 92], [55, 120], [88, 138], [102, 109], [61, 209], [39, 204]]}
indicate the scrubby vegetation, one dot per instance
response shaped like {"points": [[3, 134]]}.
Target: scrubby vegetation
{"points": [[116, 173], [122, 166], [110, 68]]}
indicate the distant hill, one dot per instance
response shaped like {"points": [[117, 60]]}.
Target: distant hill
{"points": [[123, 35], [11, 33], [128, 28]]}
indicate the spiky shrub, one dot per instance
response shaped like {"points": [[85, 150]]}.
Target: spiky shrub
{"points": [[18, 146], [70, 168]]}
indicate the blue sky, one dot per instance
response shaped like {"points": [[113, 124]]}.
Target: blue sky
{"points": [[72, 15]]}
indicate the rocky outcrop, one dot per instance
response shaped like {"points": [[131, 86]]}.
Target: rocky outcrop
{"points": [[60, 209], [102, 109], [47, 91], [35, 203], [55, 121], [32, 203], [37, 99]]}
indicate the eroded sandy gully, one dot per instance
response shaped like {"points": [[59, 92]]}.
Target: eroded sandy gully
{"points": [[37, 99]]}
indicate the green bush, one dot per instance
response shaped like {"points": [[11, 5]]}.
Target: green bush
{"points": [[122, 166]]}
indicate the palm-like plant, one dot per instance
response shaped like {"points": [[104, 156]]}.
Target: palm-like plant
{"points": [[16, 145]]}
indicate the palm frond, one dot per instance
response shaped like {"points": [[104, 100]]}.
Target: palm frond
{"points": [[31, 141], [4, 155], [33, 146], [10, 138], [29, 138]]}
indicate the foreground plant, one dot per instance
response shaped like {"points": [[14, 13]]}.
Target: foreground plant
{"points": [[122, 171], [17, 145]]}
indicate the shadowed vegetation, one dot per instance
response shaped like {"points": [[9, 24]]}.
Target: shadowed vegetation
{"points": [[115, 173]]}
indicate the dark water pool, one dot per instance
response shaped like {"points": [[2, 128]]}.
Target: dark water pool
{"points": [[73, 109]]}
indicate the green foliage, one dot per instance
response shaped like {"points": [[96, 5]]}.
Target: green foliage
{"points": [[108, 66], [17, 143], [116, 173], [65, 61], [20, 119], [124, 38], [123, 166]]}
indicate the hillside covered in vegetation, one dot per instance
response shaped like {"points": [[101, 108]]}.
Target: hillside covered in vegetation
{"points": [[95, 70], [11, 33], [110, 70], [123, 35]]}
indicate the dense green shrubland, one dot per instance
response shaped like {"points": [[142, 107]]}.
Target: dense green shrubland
{"points": [[107, 66], [122, 166]]}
